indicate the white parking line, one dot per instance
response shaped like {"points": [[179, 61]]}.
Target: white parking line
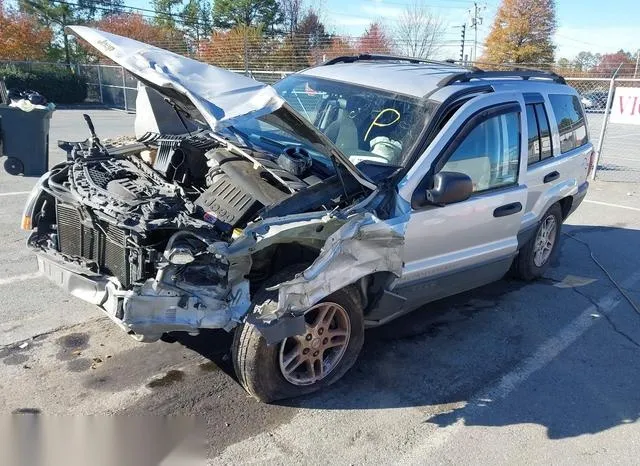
{"points": [[589, 201], [15, 193], [545, 354], [623, 158], [19, 278]]}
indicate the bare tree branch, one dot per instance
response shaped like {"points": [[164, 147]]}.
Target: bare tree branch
{"points": [[292, 12], [419, 31]]}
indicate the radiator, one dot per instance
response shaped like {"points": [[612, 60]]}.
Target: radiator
{"points": [[105, 245]]}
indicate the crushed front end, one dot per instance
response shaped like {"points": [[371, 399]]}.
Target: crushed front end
{"points": [[172, 232], [114, 231]]}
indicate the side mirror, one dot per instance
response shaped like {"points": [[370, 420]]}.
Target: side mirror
{"points": [[449, 187]]}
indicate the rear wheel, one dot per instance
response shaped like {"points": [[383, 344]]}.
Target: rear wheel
{"points": [[535, 257], [301, 364]]}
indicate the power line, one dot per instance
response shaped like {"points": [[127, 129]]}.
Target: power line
{"points": [[180, 17]]}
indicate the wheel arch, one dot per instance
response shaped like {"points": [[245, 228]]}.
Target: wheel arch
{"points": [[565, 205]]}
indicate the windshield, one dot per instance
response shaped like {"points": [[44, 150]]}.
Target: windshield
{"points": [[368, 125]]}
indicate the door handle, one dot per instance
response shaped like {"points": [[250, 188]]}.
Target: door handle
{"points": [[549, 177], [508, 209]]}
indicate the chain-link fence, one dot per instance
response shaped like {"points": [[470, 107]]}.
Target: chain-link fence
{"points": [[115, 87], [617, 144], [619, 153], [110, 85]]}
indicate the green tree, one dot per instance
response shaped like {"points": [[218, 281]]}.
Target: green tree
{"points": [[253, 13], [205, 18], [585, 61], [522, 33], [191, 20], [89, 10], [55, 16], [165, 12]]}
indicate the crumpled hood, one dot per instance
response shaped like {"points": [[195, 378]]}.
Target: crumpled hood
{"points": [[209, 94]]}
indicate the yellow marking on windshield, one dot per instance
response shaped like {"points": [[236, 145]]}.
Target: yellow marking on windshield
{"points": [[382, 125]]}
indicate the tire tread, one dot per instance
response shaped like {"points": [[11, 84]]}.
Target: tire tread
{"points": [[523, 266]]}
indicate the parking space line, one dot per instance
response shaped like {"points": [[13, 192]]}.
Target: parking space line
{"points": [[19, 278], [623, 158], [509, 382], [589, 201], [15, 193]]}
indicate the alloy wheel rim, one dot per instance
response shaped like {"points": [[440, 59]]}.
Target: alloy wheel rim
{"points": [[545, 240], [309, 358]]}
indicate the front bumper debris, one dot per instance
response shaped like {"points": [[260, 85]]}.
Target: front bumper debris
{"points": [[151, 309]]}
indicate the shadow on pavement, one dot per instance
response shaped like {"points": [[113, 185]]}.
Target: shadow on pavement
{"points": [[441, 356]]}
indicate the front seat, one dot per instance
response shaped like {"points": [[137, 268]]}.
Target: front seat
{"points": [[343, 131]]}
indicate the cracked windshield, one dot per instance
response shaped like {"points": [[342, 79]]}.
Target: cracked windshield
{"points": [[368, 125]]}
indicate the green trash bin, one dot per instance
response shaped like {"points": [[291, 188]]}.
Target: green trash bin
{"points": [[25, 140]]}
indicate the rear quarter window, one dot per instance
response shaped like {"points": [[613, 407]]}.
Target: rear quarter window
{"points": [[570, 119]]}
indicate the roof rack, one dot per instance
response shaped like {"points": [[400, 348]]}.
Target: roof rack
{"points": [[376, 57], [516, 73]]}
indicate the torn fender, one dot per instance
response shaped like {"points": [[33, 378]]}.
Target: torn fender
{"points": [[361, 247]]}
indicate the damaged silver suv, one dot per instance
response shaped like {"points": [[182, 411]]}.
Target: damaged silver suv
{"points": [[295, 216]]}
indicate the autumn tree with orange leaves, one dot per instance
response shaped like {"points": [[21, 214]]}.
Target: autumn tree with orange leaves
{"points": [[522, 33], [135, 26], [375, 40], [21, 37]]}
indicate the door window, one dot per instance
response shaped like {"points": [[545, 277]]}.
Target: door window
{"points": [[490, 153], [570, 119], [539, 135]]}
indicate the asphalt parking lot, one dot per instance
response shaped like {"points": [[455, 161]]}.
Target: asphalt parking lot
{"points": [[537, 373]]}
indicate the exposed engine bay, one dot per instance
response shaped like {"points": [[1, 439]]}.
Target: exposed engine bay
{"points": [[107, 199]]}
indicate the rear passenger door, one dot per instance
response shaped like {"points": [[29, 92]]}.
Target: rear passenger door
{"points": [[463, 245], [558, 151]]}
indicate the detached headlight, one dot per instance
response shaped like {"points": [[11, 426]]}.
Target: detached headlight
{"points": [[180, 255], [29, 207]]}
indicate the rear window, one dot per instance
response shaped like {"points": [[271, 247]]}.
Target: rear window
{"points": [[570, 120], [539, 135]]}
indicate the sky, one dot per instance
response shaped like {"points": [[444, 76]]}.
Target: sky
{"points": [[589, 25]]}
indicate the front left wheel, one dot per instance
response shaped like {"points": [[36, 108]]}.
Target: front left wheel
{"points": [[301, 364]]}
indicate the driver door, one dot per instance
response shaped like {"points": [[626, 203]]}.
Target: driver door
{"points": [[459, 246]]}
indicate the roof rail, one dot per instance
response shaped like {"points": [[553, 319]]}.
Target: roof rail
{"points": [[516, 73], [376, 57]]}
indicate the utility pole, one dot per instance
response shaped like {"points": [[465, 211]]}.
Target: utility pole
{"points": [[67, 54], [476, 20], [635, 71], [464, 32]]}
